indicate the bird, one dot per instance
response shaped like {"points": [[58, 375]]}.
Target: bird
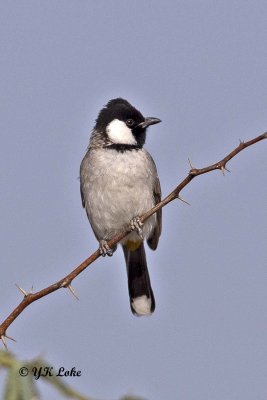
{"points": [[119, 183]]}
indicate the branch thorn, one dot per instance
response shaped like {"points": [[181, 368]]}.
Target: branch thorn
{"points": [[10, 338], [4, 341], [223, 169], [183, 200], [191, 165], [22, 290], [72, 291], [3, 336]]}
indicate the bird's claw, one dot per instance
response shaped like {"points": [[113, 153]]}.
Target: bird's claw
{"points": [[136, 225], [105, 249]]}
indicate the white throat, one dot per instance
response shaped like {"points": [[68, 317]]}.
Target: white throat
{"points": [[118, 132]]}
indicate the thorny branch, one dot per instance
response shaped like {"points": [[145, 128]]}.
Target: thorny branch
{"points": [[67, 280]]}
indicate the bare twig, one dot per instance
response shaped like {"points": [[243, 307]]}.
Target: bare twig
{"points": [[66, 281]]}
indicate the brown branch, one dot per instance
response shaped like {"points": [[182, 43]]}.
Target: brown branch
{"points": [[66, 281]]}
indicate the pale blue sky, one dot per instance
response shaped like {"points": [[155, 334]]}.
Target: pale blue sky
{"points": [[200, 66]]}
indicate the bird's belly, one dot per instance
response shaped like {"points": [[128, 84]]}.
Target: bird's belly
{"points": [[117, 195]]}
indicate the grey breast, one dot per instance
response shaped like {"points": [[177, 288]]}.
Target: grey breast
{"points": [[116, 187]]}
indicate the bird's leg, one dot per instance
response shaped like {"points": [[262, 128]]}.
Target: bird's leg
{"points": [[104, 248], [136, 225]]}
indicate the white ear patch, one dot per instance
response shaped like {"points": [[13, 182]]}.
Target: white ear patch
{"points": [[118, 132]]}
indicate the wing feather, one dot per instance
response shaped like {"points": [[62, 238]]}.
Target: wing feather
{"points": [[153, 239]]}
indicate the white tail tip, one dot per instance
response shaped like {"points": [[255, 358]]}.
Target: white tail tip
{"points": [[142, 305]]}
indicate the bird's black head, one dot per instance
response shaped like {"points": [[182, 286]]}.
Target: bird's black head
{"points": [[123, 125]]}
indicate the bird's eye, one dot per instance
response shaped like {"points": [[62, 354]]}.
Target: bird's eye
{"points": [[130, 122]]}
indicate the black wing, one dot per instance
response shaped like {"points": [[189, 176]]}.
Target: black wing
{"points": [[154, 237]]}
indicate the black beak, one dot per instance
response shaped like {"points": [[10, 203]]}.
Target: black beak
{"points": [[149, 121]]}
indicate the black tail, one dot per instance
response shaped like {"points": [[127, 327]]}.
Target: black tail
{"points": [[141, 295]]}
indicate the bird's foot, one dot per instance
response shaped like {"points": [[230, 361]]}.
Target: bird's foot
{"points": [[105, 249], [136, 225]]}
